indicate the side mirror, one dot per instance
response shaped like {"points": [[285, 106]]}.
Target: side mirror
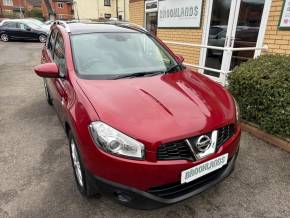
{"points": [[179, 59], [28, 29], [48, 70]]}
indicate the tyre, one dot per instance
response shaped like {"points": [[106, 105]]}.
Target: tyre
{"points": [[4, 37], [42, 38], [48, 98], [85, 181]]}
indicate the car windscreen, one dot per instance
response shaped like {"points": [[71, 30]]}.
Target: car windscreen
{"points": [[111, 55]]}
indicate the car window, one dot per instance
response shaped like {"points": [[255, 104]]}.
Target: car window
{"points": [[10, 25], [222, 35], [214, 30], [51, 41], [59, 54], [23, 26], [33, 25], [109, 55]]}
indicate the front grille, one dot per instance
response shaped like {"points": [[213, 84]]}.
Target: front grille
{"points": [[225, 134], [177, 189], [180, 150], [175, 151]]}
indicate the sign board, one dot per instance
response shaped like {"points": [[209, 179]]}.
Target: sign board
{"points": [[181, 13], [285, 16]]}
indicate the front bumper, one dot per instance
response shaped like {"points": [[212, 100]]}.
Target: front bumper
{"points": [[151, 199]]}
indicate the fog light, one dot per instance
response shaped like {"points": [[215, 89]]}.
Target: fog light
{"points": [[123, 197]]}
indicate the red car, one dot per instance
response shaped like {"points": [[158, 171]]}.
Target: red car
{"points": [[141, 126]]}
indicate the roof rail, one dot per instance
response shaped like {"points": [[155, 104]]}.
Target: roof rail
{"points": [[126, 23], [63, 24]]}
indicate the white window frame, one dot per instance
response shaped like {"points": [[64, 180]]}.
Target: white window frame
{"points": [[7, 3], [60, 5], [109, 3], [233, 19], [150, 10]]}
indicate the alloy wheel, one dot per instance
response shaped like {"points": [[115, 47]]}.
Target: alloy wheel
{"points": [[76, 163], [4, 37], [42, 38]]}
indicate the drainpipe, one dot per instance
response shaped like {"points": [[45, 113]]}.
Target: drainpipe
{"points": [[117, 10], [124, 10], [76, 10]]}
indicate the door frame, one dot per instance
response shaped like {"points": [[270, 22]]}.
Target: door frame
{"points": [[149, 10], [232, 23]]}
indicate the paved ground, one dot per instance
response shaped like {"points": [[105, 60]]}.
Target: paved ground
{"points": [[37, 181]]}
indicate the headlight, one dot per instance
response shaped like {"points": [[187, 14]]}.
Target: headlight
{"points": [[237, 111], [115, 142]]}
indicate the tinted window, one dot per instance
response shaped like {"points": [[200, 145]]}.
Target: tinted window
{"points": [[214, 30], [51, 41], [107, 55], [10, 25], [22, 26], [58, 55]]}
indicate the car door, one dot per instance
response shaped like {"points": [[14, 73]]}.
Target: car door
{"points": [[11, 29], [59, 85], [25, 31]]}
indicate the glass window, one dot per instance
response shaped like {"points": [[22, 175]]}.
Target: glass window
{"points": [[247, 31], [108, 16], [59, 54], [60, 5], [10, 25], [151, 5], [32, 25], [23, 26], [7, 2], [107, 2], [109, 55], [218, 28], [151, 22], [51, 41]]}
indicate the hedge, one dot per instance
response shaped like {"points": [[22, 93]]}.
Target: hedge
{"points": [[262, 89]]}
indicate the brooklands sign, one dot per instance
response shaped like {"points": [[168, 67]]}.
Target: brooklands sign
{"points": [[181, 13]]}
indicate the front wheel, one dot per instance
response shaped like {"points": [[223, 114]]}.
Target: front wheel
{"points": [[42, 38], [84, 179], [4, 37]]}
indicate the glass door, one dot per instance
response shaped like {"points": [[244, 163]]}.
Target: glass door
{"points": [[247, 31], [217, 35], [151, 16], [231, 24]]}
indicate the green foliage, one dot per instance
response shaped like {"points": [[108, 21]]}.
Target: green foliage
{"points": [[35, 12], [262, 89], [11, 15]]}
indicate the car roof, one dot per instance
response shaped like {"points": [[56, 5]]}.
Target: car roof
{"points": [[18, 20], [99, 27]]}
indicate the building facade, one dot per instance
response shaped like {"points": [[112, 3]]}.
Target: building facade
{"points": [[17, 7], [57, 9], [101, 9], [214, 36]]}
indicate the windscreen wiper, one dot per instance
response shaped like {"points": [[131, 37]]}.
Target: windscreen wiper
{"points": [[172, 68], [139, 74]]}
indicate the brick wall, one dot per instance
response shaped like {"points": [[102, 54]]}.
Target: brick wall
{"points": [[190, 54], [136, 8], [277, 40]]}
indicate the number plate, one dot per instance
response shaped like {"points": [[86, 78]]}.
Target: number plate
{"points": [[203, 169]]}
